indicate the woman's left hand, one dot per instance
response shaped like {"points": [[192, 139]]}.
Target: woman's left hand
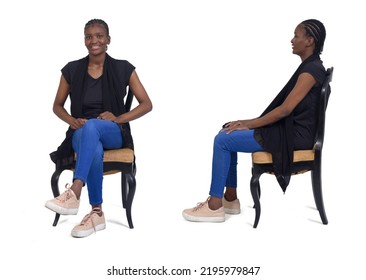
{"points": [[107, 116], [235, 125]]}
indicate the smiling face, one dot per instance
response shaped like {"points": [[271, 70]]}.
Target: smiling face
{"points": [[96, 39], [302, 44]]}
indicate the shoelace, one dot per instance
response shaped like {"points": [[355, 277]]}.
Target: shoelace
{"points": [[88, 217], [200, 205], [65, 195]]}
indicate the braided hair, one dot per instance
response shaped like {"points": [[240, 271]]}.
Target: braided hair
{"points": [[315, 29], [97, 21]]}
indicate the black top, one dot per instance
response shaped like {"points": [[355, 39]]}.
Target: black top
{"points": [[87, 91], [305, 114], [93, 100]]}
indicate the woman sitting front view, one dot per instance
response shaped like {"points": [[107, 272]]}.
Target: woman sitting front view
{"points": [[98, 120]]}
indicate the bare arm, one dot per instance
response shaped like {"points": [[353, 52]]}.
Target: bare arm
{"points": [[141, 109], [58, 105], [303, 85]]}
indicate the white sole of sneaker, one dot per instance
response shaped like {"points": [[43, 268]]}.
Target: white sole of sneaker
{"points": [[60, 210], [85, 233], [232, 211], [203, 219]]}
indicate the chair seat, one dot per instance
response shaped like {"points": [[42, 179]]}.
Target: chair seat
{"points": [[299, 155], [119, 155], [124, 155]]}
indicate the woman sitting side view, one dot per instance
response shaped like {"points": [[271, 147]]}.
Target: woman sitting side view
{"points": [[98, 120], [287, 124]]}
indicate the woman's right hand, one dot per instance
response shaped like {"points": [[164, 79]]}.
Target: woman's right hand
{"points": [[235, 125], [77, 123]]}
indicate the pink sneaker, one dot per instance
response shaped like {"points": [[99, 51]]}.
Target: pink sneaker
{"points": [[92, 222], [231, 207], [202, 213], [65, 204]]}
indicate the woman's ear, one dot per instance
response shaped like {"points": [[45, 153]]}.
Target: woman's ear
{"points": [[310, 41]]}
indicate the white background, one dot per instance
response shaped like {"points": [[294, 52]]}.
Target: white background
{"points": [[203, 63]]}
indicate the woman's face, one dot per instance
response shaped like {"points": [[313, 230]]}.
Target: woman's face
{"points": [[96, 39], [301, 41]]}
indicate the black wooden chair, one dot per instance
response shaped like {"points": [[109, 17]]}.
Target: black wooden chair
{"points": [[118, 160], [304, 160]]}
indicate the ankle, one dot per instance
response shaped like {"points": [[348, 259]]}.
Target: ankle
{"points": [[97, 209], [76, 192], [214, 203], [230, 197], [230, 194], [76, 188]]}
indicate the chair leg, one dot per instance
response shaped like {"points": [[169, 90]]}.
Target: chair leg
{"points": [[55, 221], [125, 184], [259, 193], [128, 193], [124, 189], [255, 190], [55, 190], [317, 192], [259, 189]]}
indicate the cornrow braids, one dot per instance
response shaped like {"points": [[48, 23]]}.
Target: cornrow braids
{"points": [[97, 21], [315, 29]]}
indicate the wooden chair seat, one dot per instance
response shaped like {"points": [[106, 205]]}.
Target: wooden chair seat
{"points": [[124, 155], [119, 155], [299, 155]]}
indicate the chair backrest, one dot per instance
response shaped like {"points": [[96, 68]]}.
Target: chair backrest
{"points": [[324, 97]]}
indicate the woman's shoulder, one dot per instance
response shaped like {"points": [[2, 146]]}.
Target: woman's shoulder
{"points": [[69, 70], [122, 63], [73, 64], [316, 63], [122, 67], [316, 69]]}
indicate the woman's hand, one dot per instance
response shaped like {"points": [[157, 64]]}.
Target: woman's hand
{"points": [[77, 123], [236, 125], [107, 116]]}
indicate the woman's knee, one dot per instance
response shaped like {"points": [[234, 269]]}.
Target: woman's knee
{"points": [[90, 124], [221, 139], [91, 129]]}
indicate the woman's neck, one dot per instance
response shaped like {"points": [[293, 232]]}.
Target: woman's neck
{"points": [[97, 60]]}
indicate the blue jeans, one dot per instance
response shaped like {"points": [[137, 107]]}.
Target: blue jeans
{"points": [[89, 143], [225, 158]]}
